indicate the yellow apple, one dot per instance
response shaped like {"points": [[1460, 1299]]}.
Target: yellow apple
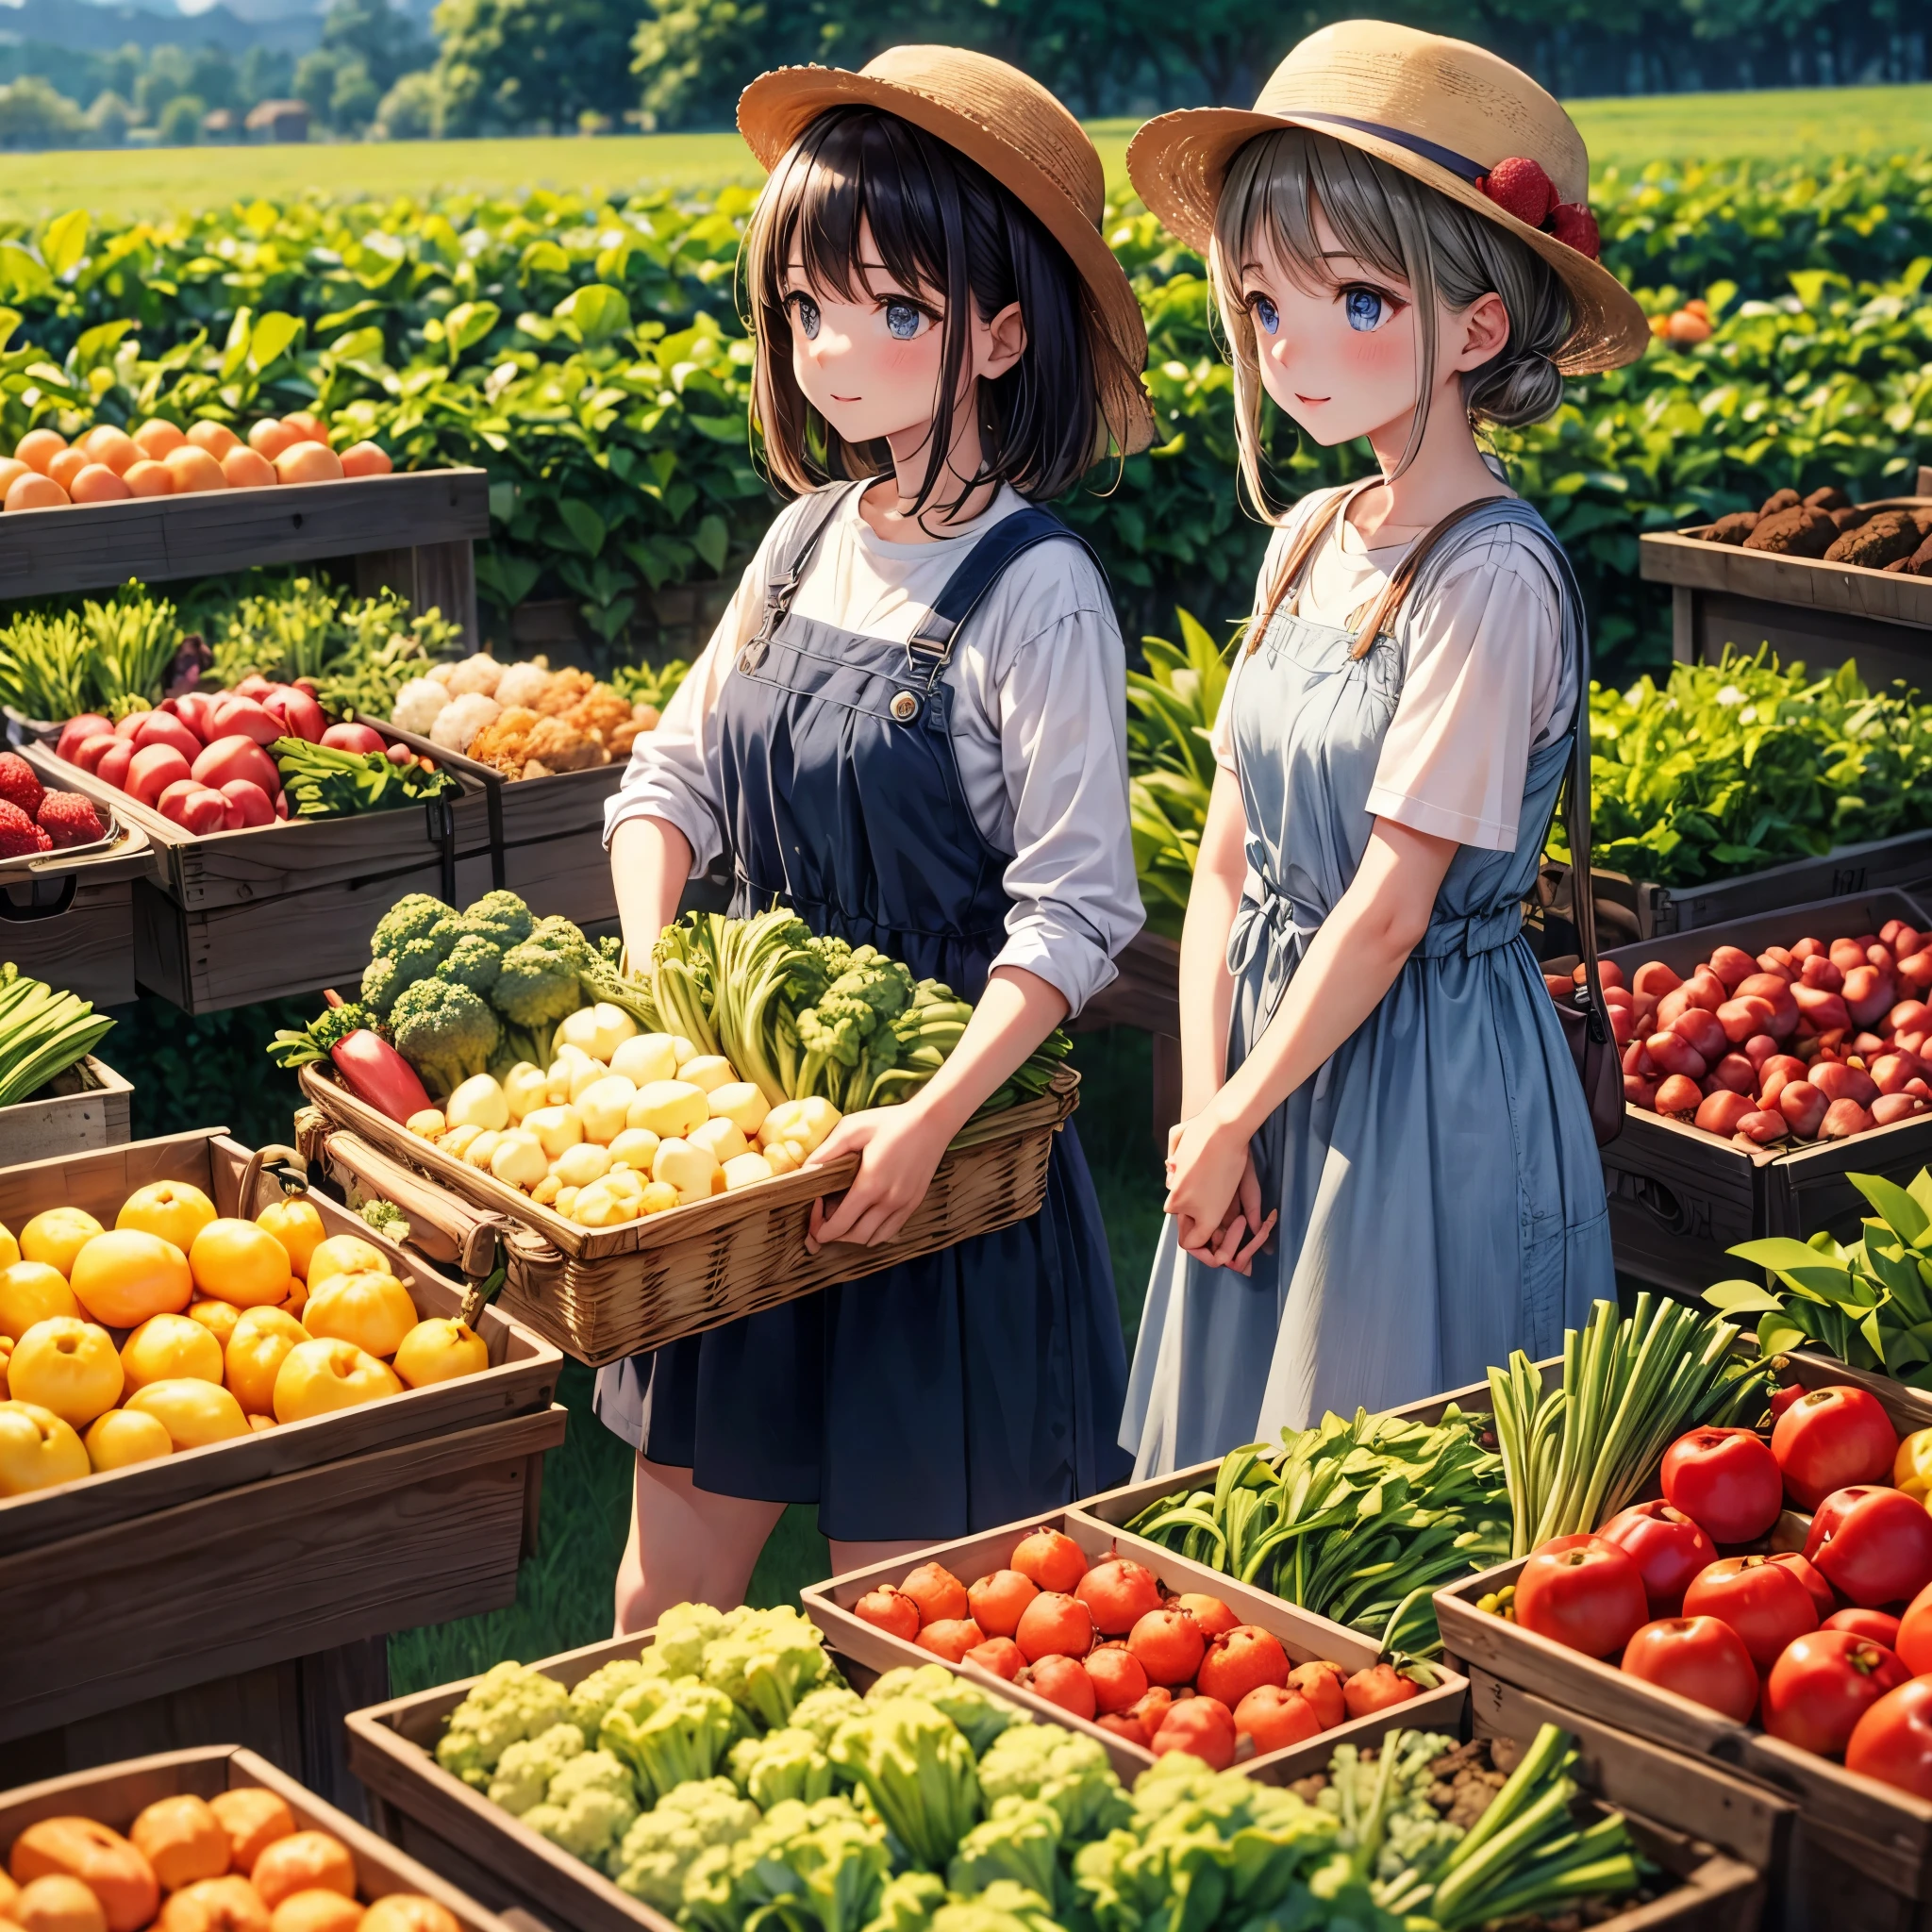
{"points": [[344, 1254], [126, 1435], [37, 1449], [57, 1236], [193, 1412], [319, 1376], [166, 1348], [238, 1261], [262, 1340], [124, 1277], [217, 1318], [371, 1309], [9, 1248], [67, 1366], [440, 1350], [298, 1226], [175, 1211], [31, 1292]]}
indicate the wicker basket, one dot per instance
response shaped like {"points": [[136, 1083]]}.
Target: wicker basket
{"points": [[604, 1293]]}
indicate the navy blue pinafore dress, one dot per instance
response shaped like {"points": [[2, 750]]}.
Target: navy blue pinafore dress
{"points": [[970, 1386]]}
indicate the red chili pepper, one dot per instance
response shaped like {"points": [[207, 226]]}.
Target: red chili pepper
{"points": [[373, 1071]]}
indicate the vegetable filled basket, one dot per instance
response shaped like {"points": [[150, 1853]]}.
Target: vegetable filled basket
{"points": [[604, 1293]]}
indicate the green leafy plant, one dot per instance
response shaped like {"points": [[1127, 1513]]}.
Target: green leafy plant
{"points": [[1173, 705]]}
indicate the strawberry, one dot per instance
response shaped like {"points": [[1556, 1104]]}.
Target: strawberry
{"points": [[68, 819], [1575, 227], [18, 785], [18, 835], [1520, 188]]}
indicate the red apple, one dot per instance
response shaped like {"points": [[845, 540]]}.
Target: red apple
{"points": [[353, 738], [195, 709], [76, 731], [89, 752], [238, 755], [164, 727], [281, 805], [299, 711], [194, 807], [129, 725], [246, 716], [114, 761], [153, 770], [254, 686], [248, 804]]}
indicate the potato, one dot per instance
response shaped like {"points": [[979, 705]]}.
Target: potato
{"points": [[558, 1128], [669, 1108], [722, 1135], [604, 1106], [741, 1103]]}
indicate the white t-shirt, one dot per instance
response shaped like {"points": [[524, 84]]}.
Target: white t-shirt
{"points": [[1038, 724], [1486, 679]]}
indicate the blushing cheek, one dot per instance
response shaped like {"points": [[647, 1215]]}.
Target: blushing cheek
{"points": [[1379, 363]]}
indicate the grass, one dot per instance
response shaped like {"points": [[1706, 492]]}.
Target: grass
{"points": [[564, 1591], [1787, 123]]}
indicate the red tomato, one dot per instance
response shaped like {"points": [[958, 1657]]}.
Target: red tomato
{"points": [[1824, 1683], [1667, 1547], [1588, 1595], [890, 1610], [1875, 1625], [1874, 1547], [1914, 1640], [1725, 1481], [1202, 1727], [1893, 1740], [1763, 1602], [1823, 1595], [1830, 1439], [1381, 1686], [1698, 1658]]}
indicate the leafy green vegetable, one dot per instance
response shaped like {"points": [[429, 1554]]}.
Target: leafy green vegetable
{"points": [[42, 1033], [1172, 707], [806, 1868], [918, 1772], [324, 782], [669, 1732]]}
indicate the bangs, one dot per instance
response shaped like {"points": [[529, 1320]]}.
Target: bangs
{"points": [[1274, 187]]}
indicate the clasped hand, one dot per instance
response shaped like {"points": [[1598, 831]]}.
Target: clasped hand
{"points": [[1214, 1193], [898, 1148]]}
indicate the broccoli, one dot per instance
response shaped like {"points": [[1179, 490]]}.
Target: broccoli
{"points": [[981, 1719], [1020, 1840], [670, 1733], [768, 1663], [386, 1219], [659, 1849], [822, 1711], [781, 1764], [446, 1032], [819, 1865], [1065, 1770], [908, 1903], [835, 1032], [611, 947], [592, 1698], [536, 987], [390, 975], [1008, 1906], [414, 916], [590, 1805], [473, 961], [500, 917], [523, 1772], [506, 1704]]}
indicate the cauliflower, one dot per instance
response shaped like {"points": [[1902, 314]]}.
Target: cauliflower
{"points": [[479, 671], [677, 1644], [822, 1711], [660, 1848], [523, 1772], [981, 1719], [1065, 1770], [908, 1903], [769, 1663], [822, 1866], [592, 1803], [521, 685], [442, 674], [1019, 1840], [591, 1699], [418, 704], [670, 1733], [504, 1707], [781, 1764], [460, 720]]}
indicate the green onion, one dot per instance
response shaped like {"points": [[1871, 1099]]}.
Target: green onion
{"points": [[42, 1033]]}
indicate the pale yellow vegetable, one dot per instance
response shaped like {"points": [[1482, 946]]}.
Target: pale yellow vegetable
{"points": [[546, 1190], [600, 1030], [657, 1197], [456, 1143], [603, 1106], [635, 1147], [578, 1166], [782, 1156], [600, 1206], [720, 1136], [743, 1103], [669, 1108], [479, 1102], [519, 1158], [428, 1122], [708, 1070], [681, 1049], [570, 1066], [804, 1122], [525, 1088], [566, 1199], [647, 1057], [819, 1116], [626, 1180], [558, 1128], [742, 1170], [479, 1150], [692, 1170]]}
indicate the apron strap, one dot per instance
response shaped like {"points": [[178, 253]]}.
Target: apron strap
{"points": [[788, 569], [930, 646], [1288, 577]]}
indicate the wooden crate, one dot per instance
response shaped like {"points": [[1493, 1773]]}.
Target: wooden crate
{"points": [[1303, 1636], [605, 1293], [1824, 614], [416, 532], [1680, 1198], [520, 1380], [115, 1793], [86, 1108], [69, 920]]}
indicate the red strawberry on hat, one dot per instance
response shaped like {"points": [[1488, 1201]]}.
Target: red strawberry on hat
{"points": [[1575, 227], [1520, 187]]}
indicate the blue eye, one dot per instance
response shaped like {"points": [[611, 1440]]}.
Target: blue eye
{"points": [[903, 320], [1265, 313], [807, 310], [1366, 310]]}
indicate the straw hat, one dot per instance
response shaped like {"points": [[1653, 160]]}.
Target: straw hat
{"points": [[1468, 124], [1021, 134]]}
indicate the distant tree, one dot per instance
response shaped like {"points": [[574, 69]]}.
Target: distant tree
{"points": [[180, 122], [694, 58], [32, 114], [165, 75], [110, 118], [120, 70], [212, 76], [266, 74], [355, 98], [411, 110], [314, 83], [387, 42], [514, 63]]}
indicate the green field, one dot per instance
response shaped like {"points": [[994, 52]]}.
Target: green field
{"points": [[1786, 124]]}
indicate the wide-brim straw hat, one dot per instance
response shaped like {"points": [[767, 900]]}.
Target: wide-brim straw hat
{"points": [[1440, 109], [1020, 134]]}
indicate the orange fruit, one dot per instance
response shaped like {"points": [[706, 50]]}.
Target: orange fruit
{"points": [[10, 472], [216, 437], [105, 443], [157, 436], [318, 1377], [239, 1263], [217, 1318], [373, 1310], [57, 1236], [164, 1349], [123, 1278], [175, 1211], [37, 1450], [214, 1905], [409, 1911], [39, 447], [63, 468], [297, 1225], [307, 425], [96, 483], [307, 1861], [149, 478], [57, 1903], [35, 491], [440, 1350], [193, 1412], [316, 1911], [182, 1840], [269, 438], [67, 1366], [194, 470], [254, 1819], [32, 1292], [366, 460], [342, 1254], [248, 469], [256, 1353], [308, 462], [124, 1436]]}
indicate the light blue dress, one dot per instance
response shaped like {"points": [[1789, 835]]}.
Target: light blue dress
{"points": [[1440, 1197]]}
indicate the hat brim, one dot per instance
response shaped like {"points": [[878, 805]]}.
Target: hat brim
{"points": [[778, 106], [1178, 161]]}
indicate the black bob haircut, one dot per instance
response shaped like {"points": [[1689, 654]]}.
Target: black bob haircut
{"points": [[945, 227]]}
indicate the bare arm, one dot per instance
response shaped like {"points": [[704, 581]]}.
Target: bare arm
{"points": [[1346, 973], [650, 863], [1206, 991]]}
